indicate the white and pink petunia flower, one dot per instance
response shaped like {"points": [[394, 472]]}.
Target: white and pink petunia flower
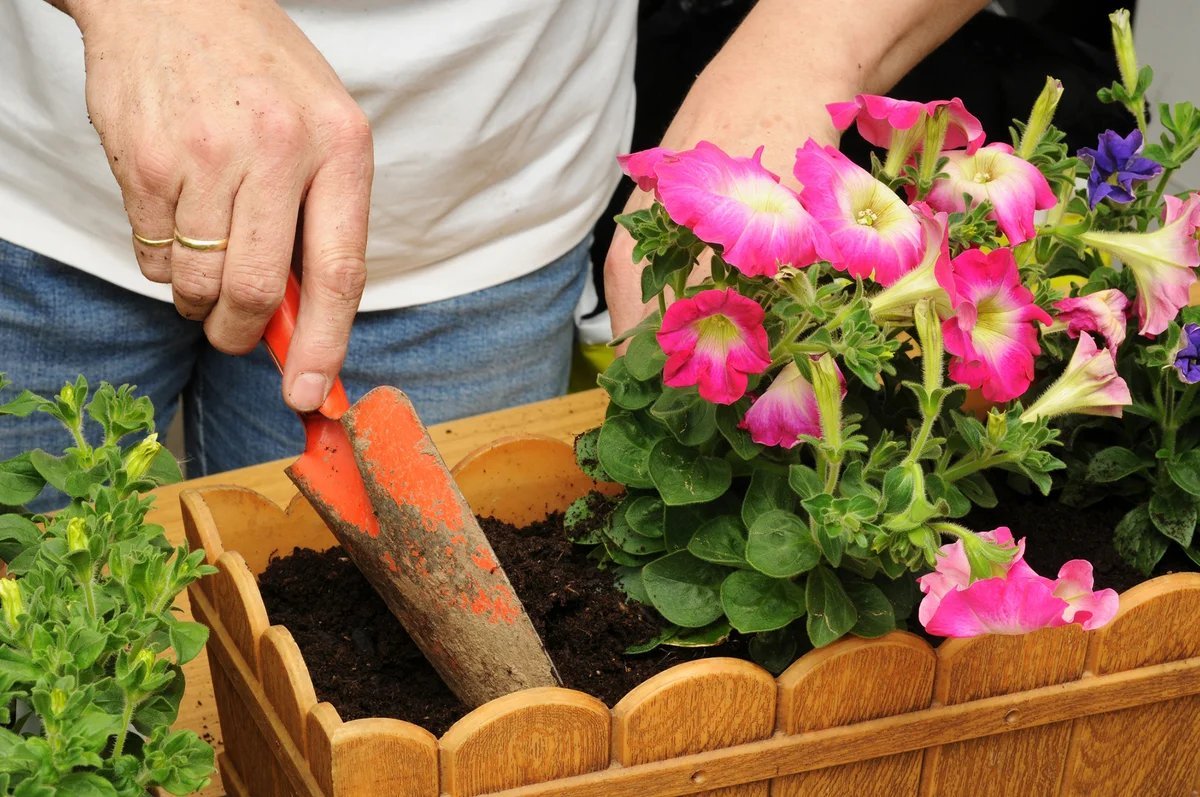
{"points": [[641, 166], [714, 340], [1102, 312], [1012, 599], [1015, 188], [1089, 609], [897, 301], [991, 334], [1163, 262], [881, 118], [1089, 386], [740, 206], [874, 232], [786, 410]]}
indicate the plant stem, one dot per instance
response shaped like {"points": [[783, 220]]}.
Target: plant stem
{"points": [[126, 718], [89, 596], [1158, 195], [968, 466], [918, 444]]}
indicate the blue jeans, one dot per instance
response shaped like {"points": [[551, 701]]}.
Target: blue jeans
{"points": [[483, 351]]}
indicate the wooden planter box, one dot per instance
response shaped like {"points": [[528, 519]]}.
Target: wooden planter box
{"points": [[1111, 712]]}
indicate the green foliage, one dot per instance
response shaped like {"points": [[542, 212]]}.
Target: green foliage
{"points": [[90, 649]]}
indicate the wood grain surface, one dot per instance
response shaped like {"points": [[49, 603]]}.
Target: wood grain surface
{"points": [[560, 418]]}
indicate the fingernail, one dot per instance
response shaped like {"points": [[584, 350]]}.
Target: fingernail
{"points": [[308, 391]]}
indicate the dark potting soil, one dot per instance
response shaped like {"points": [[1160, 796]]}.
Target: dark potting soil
{"points": [[362, 661]]}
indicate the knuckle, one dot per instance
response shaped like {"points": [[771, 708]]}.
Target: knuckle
{"points": [[227, 343], [341, 278], [152, 171], [253, 291], [195, 288], [348, 129], [207, 145], [280, 130]]}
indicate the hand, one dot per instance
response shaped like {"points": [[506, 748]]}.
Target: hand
{"points": [[221, 120]]}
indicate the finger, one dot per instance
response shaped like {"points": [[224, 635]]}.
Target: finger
{"points": [[333, 254], [256, 262], [150, 188], [203, 214]]}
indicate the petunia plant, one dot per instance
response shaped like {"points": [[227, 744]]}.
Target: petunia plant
{"points": [[835, 368]]}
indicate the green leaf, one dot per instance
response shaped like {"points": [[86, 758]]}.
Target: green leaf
{"points": [[755, 602], [941, 490], [623, 449], [625, 538], [587, 457], [17, 534], [1138, 542], [876, 616], [188, 640], [20, 482], [24, 404], [804, 481], [721, 540], [684, 475], [831, 612], [709, 636], [781, 546], [1173, 513], [629, 581], [685, 590], [1185, 472], [645, 514], [774, 651], [85, 784], [164, 468], [86, 645], [644, 359], [624, 390], [1112, 464], [978, 491], [691, 419], [728, 418], [767, 491], [55, 470], [582, 522]]}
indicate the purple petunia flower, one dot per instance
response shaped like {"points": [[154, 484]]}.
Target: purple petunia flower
{"points": [[1115, 165], [1187, 360]]}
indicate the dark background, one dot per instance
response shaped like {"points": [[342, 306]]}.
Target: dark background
{"points": [[995, 64]]}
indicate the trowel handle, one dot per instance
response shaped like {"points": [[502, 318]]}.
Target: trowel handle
{"points": [[278, 337]]}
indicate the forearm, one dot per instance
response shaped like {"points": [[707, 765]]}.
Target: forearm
{"points": [[771, 81]]}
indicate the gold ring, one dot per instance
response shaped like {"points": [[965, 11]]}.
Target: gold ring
{"points": [[200, 244], [154, 242]]}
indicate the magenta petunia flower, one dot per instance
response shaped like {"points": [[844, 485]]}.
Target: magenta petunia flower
{"points": [[641, 166], [1102, 312], [1013, 599], [1163, 262], [735, 203], [896, 303], [1015, 188], [991, 334], [874, 232], [714, 340], [881, 118], [1089, 609], [786, 410], [1089, 386]]}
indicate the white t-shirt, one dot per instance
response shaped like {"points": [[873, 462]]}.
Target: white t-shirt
{"points": [[496, 126]]}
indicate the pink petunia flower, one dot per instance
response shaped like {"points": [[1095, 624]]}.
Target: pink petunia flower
{"points": [[641, 166], [1015, 188], [786, 410], [991, 335], [1102, 311], [1089, 609], [1163, 262], [1089, 386], [1012, 599], [737, 204], [881, 118], [874, 232], [714, 340]]}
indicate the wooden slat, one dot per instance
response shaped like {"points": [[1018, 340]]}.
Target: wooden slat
{"points": [[971, 669], [1152, 749], [275, 768], [696, 707], [851, 681], [787, 755], [383, 757], [285, 681], [523, 479], [237, 600], [532, 736], [234, 787]]}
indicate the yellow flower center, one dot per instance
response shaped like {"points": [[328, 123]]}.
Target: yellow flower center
{"points": [[867, 217], [983, 177]]}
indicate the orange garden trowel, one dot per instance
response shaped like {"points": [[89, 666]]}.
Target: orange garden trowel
{"points": [[373, 474]]}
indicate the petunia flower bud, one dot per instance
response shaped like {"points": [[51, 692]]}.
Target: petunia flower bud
{"points": [[77, 539], [1122, 37], [1040, 118], [11, 602], [138, 460]]}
